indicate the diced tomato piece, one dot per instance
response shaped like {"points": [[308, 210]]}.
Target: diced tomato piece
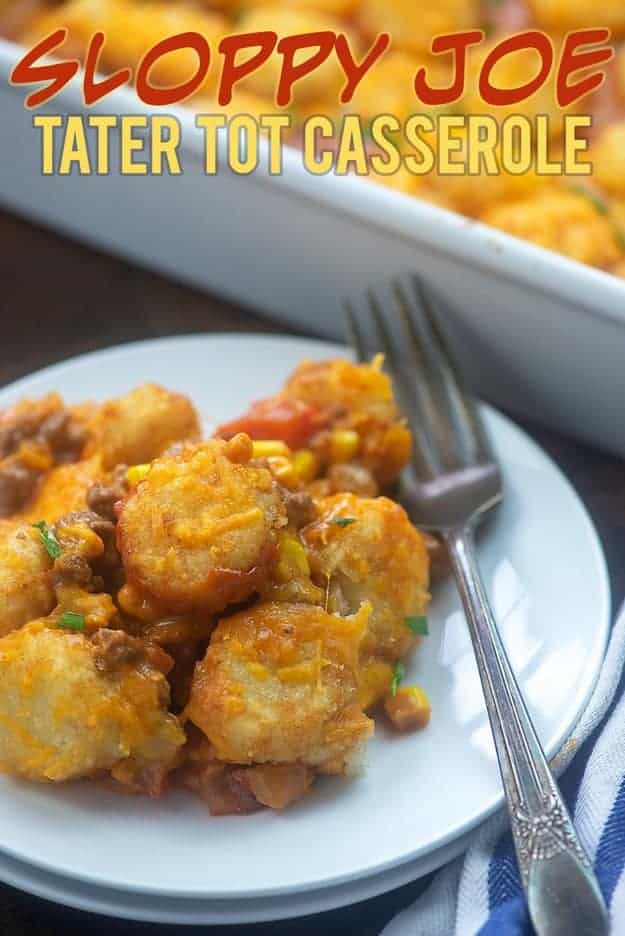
{"points": [[291, 421]]}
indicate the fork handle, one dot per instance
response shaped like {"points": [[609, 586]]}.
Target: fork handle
{"points": [[562, 893]]}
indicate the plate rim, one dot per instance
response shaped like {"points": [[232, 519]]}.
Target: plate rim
{"points": [[207, 911], [20, 386]]}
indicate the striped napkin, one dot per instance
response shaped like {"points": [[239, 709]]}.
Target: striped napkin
{"points": [[480, 893]]}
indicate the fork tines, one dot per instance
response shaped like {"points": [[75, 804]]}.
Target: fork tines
{"points": [[403, 321]]}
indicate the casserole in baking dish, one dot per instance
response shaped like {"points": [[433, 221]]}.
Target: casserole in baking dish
{"points": [[538, 333]]}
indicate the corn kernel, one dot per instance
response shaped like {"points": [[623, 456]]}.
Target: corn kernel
{"points": [[136, 473], [35, 456], [282, 470], [264, 448], [409, 709], [305, 466], [375, 681], [344, 445], [292, 560], [138, 605]]}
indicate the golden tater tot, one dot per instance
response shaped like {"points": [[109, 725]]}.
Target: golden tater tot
{"points": [[560, 16], [338, 384], [366, 549], [63, 490], [323, 83], [608, 158], [360, 397], [243, 102], [512, 71], [139, 426], [472, 194], [131, 29], [63, 718], [200, 531], [334, 7], [413, 23], [420, 186], [279, 684], [563, 221], [26, 592], [388, 87], [35, 435]]}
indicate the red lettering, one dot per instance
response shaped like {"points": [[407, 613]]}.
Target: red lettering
{"points": [[57, 73], [532, 39], [288, 47], [571, 61], [353, 71], [94, 91], [159, 96], [231, 73], [457, 43]]}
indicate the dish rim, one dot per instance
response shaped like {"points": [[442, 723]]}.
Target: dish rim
{"points": [[434, 228]]}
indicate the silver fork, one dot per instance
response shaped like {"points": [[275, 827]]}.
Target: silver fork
{"points": [[452, 482]]}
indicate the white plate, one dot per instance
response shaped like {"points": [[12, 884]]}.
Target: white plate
{"points": [[151, 908], [546, 574]]}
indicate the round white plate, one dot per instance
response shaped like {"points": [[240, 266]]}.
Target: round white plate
{"points": [[151, 908], [547, 578]]}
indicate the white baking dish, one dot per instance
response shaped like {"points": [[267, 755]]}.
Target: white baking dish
{"points": [[539, 335]]}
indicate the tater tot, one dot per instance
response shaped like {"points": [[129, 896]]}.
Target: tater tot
{"points": [[563, 221], [139, 426], [513, 71], [61, 718], [63, 490], [323, 83], [608, 158], [243, 102], [333, 7], [201, 530], [388, 88], [413, 23], [366, 549], [560, 16], [279, 684], [131, 29], [360, 399], [474, 193], [26, 592]]}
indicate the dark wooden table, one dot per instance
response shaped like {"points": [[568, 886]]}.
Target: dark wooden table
{"points": [[59, 299]]}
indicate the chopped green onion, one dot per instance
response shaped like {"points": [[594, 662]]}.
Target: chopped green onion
{"points": [[49, 540], [417, 624], [343, 521], [398, 674], [71, 620]]}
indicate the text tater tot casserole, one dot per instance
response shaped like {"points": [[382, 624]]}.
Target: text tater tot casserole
{"points": [[579, 216], [226, 614]]}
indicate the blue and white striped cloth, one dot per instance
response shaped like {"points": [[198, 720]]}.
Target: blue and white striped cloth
{"points": [[480, 893]]}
